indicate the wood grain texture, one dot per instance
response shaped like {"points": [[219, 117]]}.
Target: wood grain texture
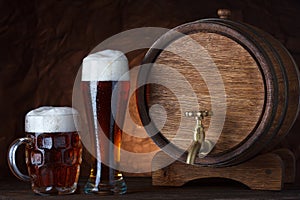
{"points": [[265, 172], [243, 88], [287, 75], [261, 88], [289, 162]]}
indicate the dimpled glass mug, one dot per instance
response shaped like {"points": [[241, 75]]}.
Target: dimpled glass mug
{"points": [[53, 150]]}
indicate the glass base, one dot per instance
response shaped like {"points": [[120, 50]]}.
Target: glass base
{"points": [[51, 190], [117, 187]]}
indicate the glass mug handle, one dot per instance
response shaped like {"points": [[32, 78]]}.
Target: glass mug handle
{"points": [[12, 157]]}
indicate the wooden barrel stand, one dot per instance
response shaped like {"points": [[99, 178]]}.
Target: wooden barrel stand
{"points": [[264, 172]]}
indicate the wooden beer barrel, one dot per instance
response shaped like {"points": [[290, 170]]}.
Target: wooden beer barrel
{"points": [[244, 75]]}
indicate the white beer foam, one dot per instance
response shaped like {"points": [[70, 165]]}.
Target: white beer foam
{"points": [[48, 119], [107, 65]]}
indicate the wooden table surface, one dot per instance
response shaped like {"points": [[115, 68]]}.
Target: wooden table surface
{"points": [[142, 189]]}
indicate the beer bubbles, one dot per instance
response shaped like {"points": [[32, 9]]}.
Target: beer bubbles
{"points": [[107, 65], [105, 87], [48, 119]]}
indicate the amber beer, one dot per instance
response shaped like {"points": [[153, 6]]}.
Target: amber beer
{"points": [[54, 160], [53, 150], [105, 91]]}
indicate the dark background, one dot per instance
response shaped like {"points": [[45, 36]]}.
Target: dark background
{"points": [[42, 44]]}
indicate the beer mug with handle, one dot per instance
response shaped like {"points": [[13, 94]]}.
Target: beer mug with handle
{"points": [[53, 150], [105, 88]]}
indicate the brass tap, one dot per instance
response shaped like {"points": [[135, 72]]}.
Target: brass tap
{"points": [[199, 134]]}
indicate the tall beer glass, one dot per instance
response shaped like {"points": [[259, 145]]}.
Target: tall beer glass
{"points": [[105, 87]]}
